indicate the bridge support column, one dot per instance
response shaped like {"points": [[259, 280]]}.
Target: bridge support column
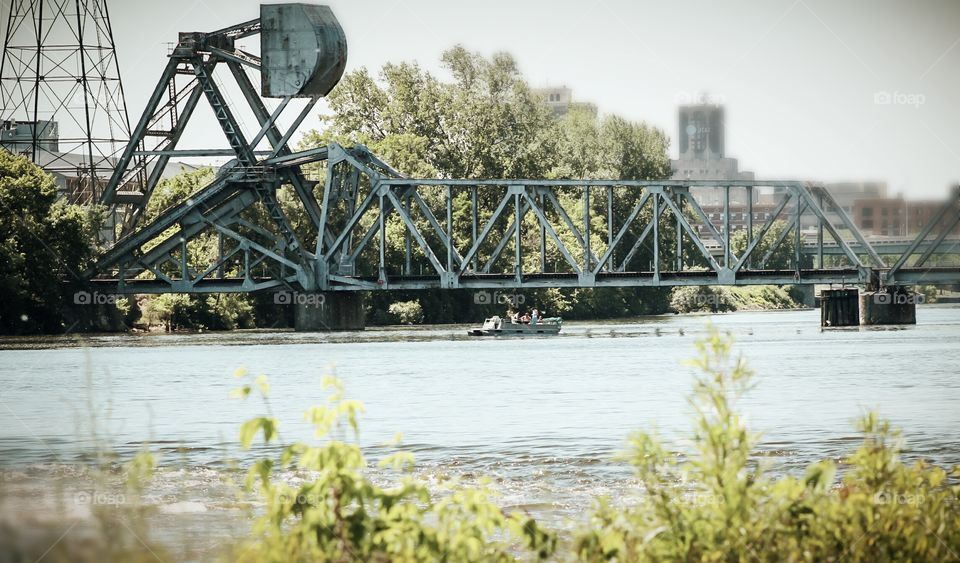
{"points": [[329, 311], [839, 307], [805, 294], [889, 307]]}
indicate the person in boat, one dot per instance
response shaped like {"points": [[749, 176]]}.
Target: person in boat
{"points": [[514, 317], [534, 316], [525, 319]]}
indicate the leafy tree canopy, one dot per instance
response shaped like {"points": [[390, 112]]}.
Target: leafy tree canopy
{"points": [[43, 241]]}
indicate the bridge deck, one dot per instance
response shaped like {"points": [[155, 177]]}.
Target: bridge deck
{"points": [[497, 281]]}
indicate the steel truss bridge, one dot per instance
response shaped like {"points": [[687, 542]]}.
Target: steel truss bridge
{"points": [[352, 208]]}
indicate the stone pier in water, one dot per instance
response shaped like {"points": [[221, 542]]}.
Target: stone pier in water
{"points": [[851, 307], [889, 307], [320, 312], [839, 307]]}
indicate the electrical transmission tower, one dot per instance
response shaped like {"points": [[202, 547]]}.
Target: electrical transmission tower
{"points": [[63, 102]]}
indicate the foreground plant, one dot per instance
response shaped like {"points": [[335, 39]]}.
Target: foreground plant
{"points": [[338, 514], [719, 505]]}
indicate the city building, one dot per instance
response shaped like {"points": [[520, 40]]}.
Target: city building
{"points": [[560, 100], [701, 139], [70, 170], [846, 193], [702, 142], [897, 217], [17, 136], [702, 156], [876, 213]]}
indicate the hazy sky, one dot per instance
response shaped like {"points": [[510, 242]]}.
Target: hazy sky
{"points": [[801, 79]]}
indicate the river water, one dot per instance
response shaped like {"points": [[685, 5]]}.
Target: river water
{"points": [[543, 417]]}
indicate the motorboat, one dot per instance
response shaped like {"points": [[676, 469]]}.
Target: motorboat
{"points": [[497, 326]]}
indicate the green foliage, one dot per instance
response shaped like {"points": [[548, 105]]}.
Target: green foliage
{"points": [[930, 292], [782, 258], [338, 514], [219, 311], [169, 310], [610, 147], [406, 312], [171, 191], [709, 501], [762, 297], [690, 299], [486, 123], [42, 243], [715, 503]]}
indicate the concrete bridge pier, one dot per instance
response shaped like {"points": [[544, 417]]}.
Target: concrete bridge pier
{"points": [[850, 307], [839, 307], [329, 311], [806, 294], [889, 306]]}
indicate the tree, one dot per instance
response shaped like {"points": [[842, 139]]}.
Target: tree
{"points": [[45, 245], [783, 256], [217, 311], [487, 123]]}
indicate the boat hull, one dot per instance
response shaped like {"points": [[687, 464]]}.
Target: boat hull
{"points": [[517, 330]]}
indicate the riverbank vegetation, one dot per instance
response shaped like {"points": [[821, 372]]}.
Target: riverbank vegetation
{"points": [[710, 498], [45, 245], [719, 299]]}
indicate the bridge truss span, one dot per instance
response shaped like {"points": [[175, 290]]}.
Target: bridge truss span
{"points": [[573, 233]]}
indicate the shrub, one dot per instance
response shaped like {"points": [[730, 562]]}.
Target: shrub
{"points": [[720, 505], [762, 297], [339, 514], [406, 312], [690, 299]]}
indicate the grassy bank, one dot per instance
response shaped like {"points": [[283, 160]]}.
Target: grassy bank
{"points": [[692, 299]]}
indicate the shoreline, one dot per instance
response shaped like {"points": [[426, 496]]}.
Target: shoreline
{"points": [[380, 333]]}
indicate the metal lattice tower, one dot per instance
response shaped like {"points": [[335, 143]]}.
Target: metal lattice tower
{"points": [[63, 101]]}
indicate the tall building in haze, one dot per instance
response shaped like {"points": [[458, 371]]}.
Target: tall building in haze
{"points": [[701, 138]]}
